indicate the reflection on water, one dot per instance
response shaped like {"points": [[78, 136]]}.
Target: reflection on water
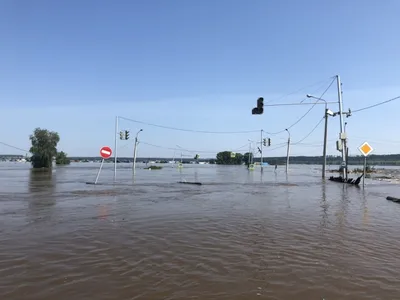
{"points": [[241, 235], [42, 186], [324, 206]]}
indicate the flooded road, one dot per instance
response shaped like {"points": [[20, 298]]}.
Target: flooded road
{"points": [[238, 236]]}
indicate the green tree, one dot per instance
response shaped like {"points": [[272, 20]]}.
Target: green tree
{"points": [[62, 159], [225, 158], [246, 157], [44, 147]]}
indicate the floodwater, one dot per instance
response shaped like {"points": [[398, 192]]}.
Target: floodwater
{"points": [[238, 236]]}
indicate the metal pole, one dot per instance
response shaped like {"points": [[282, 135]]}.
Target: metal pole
{"points": [[347, 162], [365, 170], [261, 150], [342, 133], [135, 151], [249, 159], [98, 173], [116, 149], [347, 152], [288, 151], [134, 156], [325, 141]]}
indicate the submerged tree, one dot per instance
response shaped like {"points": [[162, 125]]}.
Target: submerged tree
{"points": [[248, 158], [44, 147], [227, 158], [62, 159]]}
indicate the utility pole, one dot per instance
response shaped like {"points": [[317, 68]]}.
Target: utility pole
{"points": [[249, 159], [347, 151], [342, 131], [115, 149], [135, 151], [288, 151], [261, 151], [325, 141]]}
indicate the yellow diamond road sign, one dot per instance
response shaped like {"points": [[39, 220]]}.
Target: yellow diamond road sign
{"points": [[365, 149]]}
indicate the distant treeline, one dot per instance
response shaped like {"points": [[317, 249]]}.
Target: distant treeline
{"points": [[378, 159], [382, 160]]}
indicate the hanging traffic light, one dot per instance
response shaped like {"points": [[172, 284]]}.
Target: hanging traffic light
{"points": [[265, 142], [126, 134], [260, 107], [121, 135], [269, 142]]}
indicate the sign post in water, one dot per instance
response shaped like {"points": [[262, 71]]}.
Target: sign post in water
{"points": [[105, 153], [365, 149]]}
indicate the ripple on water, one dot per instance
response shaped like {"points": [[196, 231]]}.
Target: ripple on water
{"points": [[219, 241]]}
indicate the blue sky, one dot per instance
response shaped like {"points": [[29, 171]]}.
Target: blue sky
{"points": [[72, 66]]}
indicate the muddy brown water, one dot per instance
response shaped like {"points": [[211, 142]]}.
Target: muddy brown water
{"points": [[238, 236]]}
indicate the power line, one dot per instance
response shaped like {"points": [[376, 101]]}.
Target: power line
{"points": [[11, 146], [307, 112], [377, 104], [229, 132], [187, 150], [297, 104], [299, 90], [299, 142], [315, 127], [189, 130]]}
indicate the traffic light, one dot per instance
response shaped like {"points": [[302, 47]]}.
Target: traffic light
{"points": [[196, 156], [126, 134], [269, 142], [265, 142], [121, 135], [260, 107]]}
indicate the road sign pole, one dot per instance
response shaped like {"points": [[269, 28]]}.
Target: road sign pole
{"points": [[365, 170], [115, 149], [98, 173], [365, 149]]}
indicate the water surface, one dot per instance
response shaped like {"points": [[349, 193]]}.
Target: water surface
{"points": [[241, 235]]}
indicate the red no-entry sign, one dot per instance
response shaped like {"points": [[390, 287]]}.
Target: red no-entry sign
{"points": [[105, 152]]}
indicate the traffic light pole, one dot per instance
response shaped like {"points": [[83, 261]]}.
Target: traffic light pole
{"points": [[115, 149], [261, 151]]}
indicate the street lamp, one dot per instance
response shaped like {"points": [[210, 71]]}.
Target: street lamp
{"points": [[287, 154], [328, 112], [135, 151]]}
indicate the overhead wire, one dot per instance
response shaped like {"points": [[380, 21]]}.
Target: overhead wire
{"points": [[188, 130], [232, 132], [299, 90], [187, 150], [315, 127], [299, 142], [375, 105], [11, 146], [307, 112]]}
